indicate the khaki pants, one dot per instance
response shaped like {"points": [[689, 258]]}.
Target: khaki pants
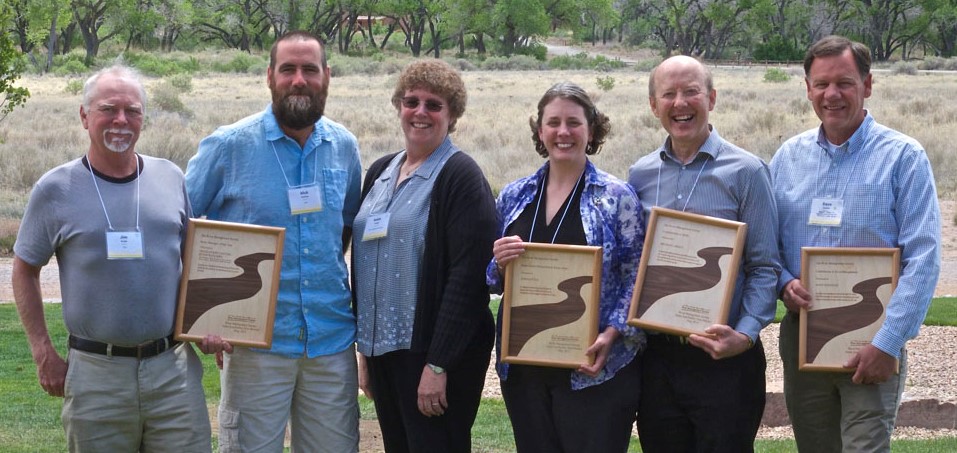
{"points": [[121, 404], [830, 413], [318, 396]]}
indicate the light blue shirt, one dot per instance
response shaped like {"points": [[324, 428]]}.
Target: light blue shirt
{"points": [[387, 269], [240, 174], [726, 182], [890, 200], [611, 218]]}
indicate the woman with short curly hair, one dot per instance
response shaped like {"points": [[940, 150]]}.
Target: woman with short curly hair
{"points": [[422, 238]]}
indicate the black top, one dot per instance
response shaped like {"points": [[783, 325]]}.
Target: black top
{"points": [[570, 229]]}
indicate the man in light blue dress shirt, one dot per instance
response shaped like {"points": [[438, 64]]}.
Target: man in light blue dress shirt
{"points": [[706, 392], [853, 183], [290, 167]]}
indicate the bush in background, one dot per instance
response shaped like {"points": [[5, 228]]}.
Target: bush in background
{"points": [[904, 68], [182, 82], [776, 75], [74, 86], [165, 97], [605, 83]]}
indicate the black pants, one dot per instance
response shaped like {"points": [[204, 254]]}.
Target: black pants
{"points": [[693, 403], [394, 378], [549, 417]]}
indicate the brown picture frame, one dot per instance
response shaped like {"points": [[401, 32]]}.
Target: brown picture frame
{"points": [[850, 288], [549, 317], [687, 272], [230, 282]]}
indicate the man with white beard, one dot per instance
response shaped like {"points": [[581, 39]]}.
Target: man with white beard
{"points": [[115, 220], [288, 166]]}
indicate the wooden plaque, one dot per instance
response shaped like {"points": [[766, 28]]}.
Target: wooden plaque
{"points": [[550, 305], [850, 289], [687, 272], [230, 282]]}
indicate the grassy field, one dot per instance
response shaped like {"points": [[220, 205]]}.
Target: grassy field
{"points": [[31, 419], [754, 114]]}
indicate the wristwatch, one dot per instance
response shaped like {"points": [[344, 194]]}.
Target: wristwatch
{"points": [[435, 368]]}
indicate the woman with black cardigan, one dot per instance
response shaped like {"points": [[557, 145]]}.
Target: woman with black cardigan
{"points": [[421, 240]]}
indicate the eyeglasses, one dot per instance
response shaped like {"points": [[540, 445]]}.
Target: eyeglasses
{"points": [[412, 103]]}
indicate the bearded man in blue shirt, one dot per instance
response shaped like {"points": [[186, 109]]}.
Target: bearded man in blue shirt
{"points": [[290, 167], [878, 185]]}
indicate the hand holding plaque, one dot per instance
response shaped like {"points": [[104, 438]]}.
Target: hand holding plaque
{"points": [[850, 289], [230, 282], [550, 305], [687, 272]]}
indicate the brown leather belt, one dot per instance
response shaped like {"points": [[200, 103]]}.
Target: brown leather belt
{"points": [[142, 351]]}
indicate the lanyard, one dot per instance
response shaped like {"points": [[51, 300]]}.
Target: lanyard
{"points": [[103, 204], [693, 186], [541, 195], [315, 170]]}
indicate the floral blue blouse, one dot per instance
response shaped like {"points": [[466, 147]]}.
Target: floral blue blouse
{"points": [[612, 218]]}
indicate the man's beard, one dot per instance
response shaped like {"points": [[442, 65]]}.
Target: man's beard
{"points": [[121, 145], [297, 109]]}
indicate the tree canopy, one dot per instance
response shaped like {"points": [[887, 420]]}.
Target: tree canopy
{"points": [[766, 29]]}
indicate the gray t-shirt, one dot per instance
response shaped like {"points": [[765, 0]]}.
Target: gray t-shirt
{"points": [[125, 302]]}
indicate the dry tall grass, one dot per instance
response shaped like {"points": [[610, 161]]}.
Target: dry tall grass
{"points": [[751, 113]]}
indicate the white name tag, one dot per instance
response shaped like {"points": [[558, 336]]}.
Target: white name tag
{"points": [[305, 199], [826, 212], [124, 245], [377, 227]]}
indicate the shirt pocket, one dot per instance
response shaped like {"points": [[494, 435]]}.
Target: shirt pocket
{"points": [[335, 183]]}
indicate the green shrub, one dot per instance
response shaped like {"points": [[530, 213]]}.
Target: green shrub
{"points": [[904, 68], [242, 62], [495, 63], [182, 82], [74, 86], [776, 75], [522, 63], [71, 68], [567, 62], [462, 64], [932, 63], [535, 50], [605, 64], [646, 65], [778, 48], [165, 97], [605, 83]]}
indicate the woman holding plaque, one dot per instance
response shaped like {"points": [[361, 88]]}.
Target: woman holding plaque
{"points": [[421, 241], [569, 201]]}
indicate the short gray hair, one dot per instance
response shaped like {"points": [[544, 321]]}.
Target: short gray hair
{"points": [[119, 71]]}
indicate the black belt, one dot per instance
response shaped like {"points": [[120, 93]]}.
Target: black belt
{"points": [[142, 351]]}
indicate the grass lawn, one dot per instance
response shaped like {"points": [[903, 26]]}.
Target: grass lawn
{"points": [[31, 419]]}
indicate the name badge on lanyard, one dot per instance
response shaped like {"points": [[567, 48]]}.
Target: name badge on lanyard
{"points": [[826, 212], [305, 199], [124, 245], [377, 227]]}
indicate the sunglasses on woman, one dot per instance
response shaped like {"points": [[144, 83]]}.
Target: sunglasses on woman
{"points": [[412, 103]]}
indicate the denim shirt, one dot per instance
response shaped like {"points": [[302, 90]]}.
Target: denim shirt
{"points": [[612, 219], [242, 173]]}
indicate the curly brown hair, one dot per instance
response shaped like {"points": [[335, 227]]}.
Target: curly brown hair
{"points": [[438, 78], [598, 122]]}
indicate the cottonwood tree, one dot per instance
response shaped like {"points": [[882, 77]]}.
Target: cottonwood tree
{"points": [[11, 66]]}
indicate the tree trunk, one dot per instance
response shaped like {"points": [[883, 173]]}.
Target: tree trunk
{"points": [[51, 43]]}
